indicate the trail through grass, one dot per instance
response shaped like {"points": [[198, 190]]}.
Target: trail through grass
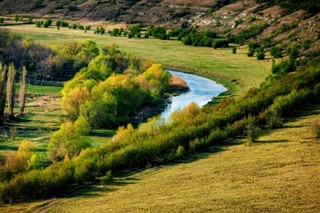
{"points": [[239, 70]]}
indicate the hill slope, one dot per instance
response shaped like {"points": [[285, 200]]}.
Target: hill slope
{"points": [[299, 22], [277, 174]]}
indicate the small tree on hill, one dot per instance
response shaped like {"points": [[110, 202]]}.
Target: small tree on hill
{"points": [[22, 92]]}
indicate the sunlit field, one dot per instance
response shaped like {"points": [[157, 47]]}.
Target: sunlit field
{"points": [[239, 70]]}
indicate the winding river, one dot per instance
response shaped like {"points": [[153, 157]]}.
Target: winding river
{"points": [[202, 90]]}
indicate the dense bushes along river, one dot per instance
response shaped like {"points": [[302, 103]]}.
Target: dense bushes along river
{"points": [[190, 130]]}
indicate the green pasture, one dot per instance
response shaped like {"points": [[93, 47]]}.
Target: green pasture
{"points": [[234, 70]]}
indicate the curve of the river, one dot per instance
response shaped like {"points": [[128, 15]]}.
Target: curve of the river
{"points": [[201, 91]]}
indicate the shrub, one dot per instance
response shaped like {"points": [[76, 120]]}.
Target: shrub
{"points": [[107, 179], [283, 67], [276, 52], [234, 50], [47, 23], [180, 151], [273, 120], [220, 43], [66, 142], [38, 24], [316, 128], [252, 132], [260, 55], [250, 53]]}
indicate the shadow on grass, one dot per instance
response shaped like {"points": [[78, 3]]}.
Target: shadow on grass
{"points": [[270, 141], [8, 147], [88, 191]]}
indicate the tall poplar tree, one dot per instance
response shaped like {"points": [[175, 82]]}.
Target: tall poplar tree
{"points": [[11, 90], [22, 92], [3, 80]]}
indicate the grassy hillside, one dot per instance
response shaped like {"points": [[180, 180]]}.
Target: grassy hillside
{"points": [[243, 71], [279, 173]]}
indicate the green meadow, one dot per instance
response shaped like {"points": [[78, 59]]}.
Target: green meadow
{"points": [[237, 71]]}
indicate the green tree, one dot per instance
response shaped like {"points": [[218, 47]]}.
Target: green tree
{"points": [[3, 80], [66, 142], [22, 91]]}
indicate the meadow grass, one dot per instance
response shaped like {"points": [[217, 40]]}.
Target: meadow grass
{"points": [[278, 173], [234, 70]]}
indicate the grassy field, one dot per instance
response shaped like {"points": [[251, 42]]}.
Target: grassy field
{"points": [[41, 119], [240, 71], [279, 173]]}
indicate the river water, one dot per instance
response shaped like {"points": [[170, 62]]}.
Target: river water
{"points": [[202, 90]]}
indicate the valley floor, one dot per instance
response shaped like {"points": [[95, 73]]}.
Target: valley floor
{"points": [[279, 173]]}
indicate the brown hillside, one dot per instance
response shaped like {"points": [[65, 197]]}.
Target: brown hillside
{"points": [[282, 29]]}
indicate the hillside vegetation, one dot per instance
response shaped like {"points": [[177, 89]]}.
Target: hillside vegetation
{"points": [[279, 173], [257, 157]]}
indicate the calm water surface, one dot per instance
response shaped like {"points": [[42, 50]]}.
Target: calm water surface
{"points": [[202, 90]]}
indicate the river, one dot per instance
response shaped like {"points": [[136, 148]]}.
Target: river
{"points": [[202, 90]]}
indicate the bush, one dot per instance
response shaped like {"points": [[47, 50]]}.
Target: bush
{"points": [[260, 55], [273, 120], [276, 52], [220, 43], [252, 132], [180, 151], [283, 67], [234, 50], [107, 179], [47, 23]]}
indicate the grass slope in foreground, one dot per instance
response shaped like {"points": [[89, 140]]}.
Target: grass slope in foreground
{"points": [[245, 72], [279, 173]]}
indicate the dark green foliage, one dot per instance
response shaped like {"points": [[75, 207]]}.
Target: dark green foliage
{"points": [[293, 52], [260, 55], [283, 67], [38, 24], [100, 30], [107, 179], [135, 30], [158, 32], [306, 44], [234, 50], [220, 43], [47, 23], [276, 52], [1, 20], [62, 24], [250, 32]]}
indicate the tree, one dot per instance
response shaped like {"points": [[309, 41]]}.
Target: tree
{"points": [[11, 90], [22, 92], [74, 100], [67, 142], [3, 79]]}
